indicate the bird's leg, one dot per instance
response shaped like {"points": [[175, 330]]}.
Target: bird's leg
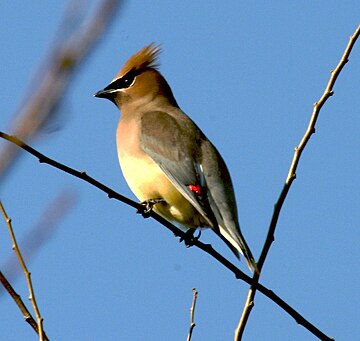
{"points": [[147, 206], [189, 238]]}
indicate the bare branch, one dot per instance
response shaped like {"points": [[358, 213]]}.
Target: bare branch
{"points": [[32, 299], [290, 178], [16, 297], [192, 314], [176, 231]]}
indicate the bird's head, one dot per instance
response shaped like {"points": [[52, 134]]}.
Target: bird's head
{"points": [[139, 82]]}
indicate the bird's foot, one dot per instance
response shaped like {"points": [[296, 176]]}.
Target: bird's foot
{"points": [[189, 237], [147, 206]]}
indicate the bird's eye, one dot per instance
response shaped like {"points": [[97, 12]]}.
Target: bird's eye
{"points": [[122, 83], [127, 80]]}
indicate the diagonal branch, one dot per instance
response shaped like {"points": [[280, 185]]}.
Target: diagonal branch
{"points": [[290, 178], [176, 231], [17, 299]]}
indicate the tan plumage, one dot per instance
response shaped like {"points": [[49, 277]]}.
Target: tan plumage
{"points": [[164, 155]]}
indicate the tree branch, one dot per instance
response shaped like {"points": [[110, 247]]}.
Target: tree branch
{"points": [[17, 299], [176, 231], [32, 299], [290, 178], [192, 314]]}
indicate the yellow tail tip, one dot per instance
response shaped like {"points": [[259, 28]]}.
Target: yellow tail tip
{"points": [[252, 265]]}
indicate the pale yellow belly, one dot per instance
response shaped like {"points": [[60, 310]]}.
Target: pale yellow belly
{"points": [[147, 181]]}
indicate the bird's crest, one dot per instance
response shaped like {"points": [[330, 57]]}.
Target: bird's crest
{"points": [[147, 57]]}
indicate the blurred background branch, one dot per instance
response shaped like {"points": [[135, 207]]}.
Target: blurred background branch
{"points": [[77, 37]]}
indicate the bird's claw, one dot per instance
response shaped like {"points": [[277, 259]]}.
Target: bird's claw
{"points": [[147, 206], [189, 237]]}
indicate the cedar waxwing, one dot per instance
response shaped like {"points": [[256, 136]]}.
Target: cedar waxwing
{"points": [[166, 159]]}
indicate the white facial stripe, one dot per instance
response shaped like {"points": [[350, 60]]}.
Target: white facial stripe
{"points": [[114, 90]]}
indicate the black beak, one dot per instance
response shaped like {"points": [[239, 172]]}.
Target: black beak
{"points": [[103, 94], [107, 93]]}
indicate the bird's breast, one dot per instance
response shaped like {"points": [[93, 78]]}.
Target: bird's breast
{"points": [[147, 180], [140, 171]]}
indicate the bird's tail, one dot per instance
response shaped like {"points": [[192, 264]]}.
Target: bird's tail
{"points": [[238, 245]]}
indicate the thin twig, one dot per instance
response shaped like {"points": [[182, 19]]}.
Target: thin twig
{"points": [[176, 231], [290, 178], [17, 299], [32, 299], [192, 314]]}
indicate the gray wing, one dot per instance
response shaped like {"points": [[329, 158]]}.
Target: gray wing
{"points": [[187, 157], [222, 200], [174, 144], [220, 189]]}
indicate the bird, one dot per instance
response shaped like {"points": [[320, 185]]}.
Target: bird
{"points": [[167, 161]]}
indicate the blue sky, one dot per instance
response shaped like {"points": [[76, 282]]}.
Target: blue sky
{"points": [[248, 74]]}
